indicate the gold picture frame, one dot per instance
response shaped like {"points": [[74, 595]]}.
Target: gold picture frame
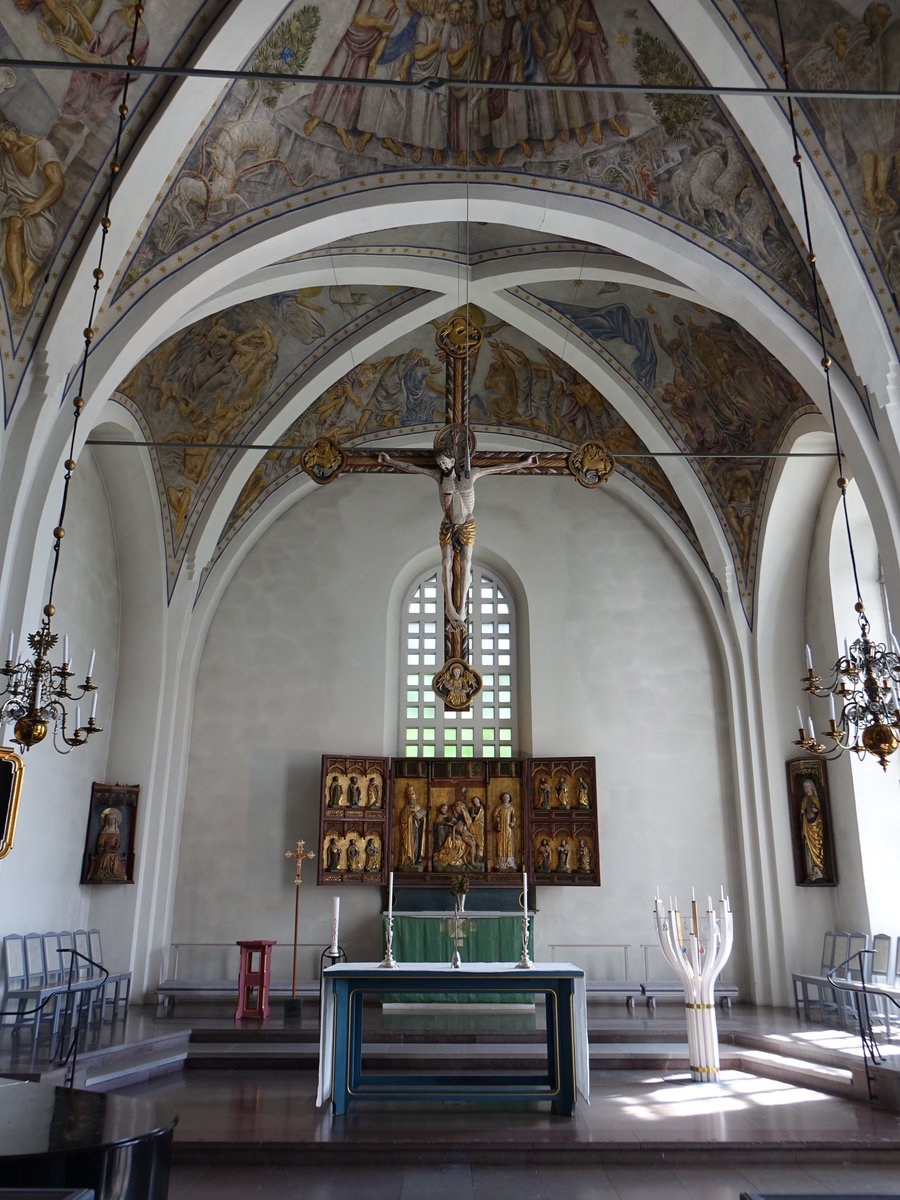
{"points": [[12, 769]]}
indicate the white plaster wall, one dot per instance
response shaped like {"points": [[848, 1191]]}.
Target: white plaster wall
{"points": [[39, 878], [622, 666]]}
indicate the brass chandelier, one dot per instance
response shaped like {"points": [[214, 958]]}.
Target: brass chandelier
{"points": [[866, 677], [37, 691]]}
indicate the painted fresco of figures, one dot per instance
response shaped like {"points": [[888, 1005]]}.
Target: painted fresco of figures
{"points": [[92, 96], [338, 104], [426, 111], [502, 114], [31, 182], [590, 52]]}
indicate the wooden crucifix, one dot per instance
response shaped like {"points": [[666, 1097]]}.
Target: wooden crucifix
{"points": [[457, 683], [455, 467]]}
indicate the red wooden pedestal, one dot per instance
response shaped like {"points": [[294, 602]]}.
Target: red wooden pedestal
{"points": [[253, 984]]}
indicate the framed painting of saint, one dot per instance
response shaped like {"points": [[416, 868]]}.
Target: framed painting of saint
{"points": [[810, 813], [109, 840]]}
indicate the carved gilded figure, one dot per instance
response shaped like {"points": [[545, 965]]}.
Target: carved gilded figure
{"points": [[412, 830], [335, 792], [373, 855], [584, 856], [353, 858], [543, 793], [504, 824], [812, 832], [373, 793], [563, 793], [562, 856], [584, 795], [108, 863], [332, 855], [542, 855]]}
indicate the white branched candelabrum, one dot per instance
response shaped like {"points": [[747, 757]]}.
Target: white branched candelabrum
{"points": [[698, 962]]}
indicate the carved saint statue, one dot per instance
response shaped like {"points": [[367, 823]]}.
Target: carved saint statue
{"points": [[812, 831], [505, 823], [412, 830]]}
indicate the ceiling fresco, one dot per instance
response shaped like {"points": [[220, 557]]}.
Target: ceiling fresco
{"points": [[57, 129], [217, 380], [714, 388], [853, 144], [672, 160]]}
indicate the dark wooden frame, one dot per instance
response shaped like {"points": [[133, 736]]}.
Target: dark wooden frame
{"points": [[11, 770], [798, 770], [124, 797]]}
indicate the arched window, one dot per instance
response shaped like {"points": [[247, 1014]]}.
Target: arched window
{"points": [[489, 728]]}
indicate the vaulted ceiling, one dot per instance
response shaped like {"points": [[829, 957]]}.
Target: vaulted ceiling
{"points": [[301, 241]]}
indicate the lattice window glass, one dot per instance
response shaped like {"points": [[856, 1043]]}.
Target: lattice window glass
{"points": [[489, 728]]}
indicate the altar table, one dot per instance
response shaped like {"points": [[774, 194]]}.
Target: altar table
{"points": [[345, 985]]}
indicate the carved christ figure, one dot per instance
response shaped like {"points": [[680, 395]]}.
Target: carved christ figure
{"points": [[456, 489]]}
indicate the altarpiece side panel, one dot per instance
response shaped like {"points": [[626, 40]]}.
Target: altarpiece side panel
{"points": [[564, 838], [352, 828]]}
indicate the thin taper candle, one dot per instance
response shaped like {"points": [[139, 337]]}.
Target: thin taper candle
{"points": [[91, 665], [336, 916], [390, 897]]}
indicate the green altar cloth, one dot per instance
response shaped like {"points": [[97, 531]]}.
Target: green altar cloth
{"points": [[489, 937]]}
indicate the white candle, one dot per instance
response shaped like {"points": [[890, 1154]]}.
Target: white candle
{"points": [[812, 729], [390, 897], [336, 916], [12, 642], [808, 656], [77, 721], [799, 718], [94, 705], [37, 694], [65, 649], [846, 650], [722, 891], [831, 711], [525, 895], [91, 667]]}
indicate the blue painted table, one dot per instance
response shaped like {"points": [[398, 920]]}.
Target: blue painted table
{"points": [[345, 986]]}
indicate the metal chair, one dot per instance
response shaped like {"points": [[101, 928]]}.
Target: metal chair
{"points": [[119, 982]]}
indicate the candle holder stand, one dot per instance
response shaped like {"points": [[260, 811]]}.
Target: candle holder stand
{"points": [[698, 963], [388, 960], [524, 963]]}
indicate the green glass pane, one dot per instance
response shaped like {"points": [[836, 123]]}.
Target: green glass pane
{"points": [[488, 680], [487, 713], [488, 752], [412, 751], [467, 735], [411, 714], [468, 751], [412, 680], [449, 752], [504, 681], [427, 735], [449, 735], [412, 735], [412, 695], [487, 697], [428, 751], [505, 735], [505, 714], [428, 714], [488, 735], [506, 751]]}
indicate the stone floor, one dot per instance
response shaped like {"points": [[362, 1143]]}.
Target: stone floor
{"points": [[251, 1129]]}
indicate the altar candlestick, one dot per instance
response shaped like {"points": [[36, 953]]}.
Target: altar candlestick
{"points": [[390, 897], [334, 925]]}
